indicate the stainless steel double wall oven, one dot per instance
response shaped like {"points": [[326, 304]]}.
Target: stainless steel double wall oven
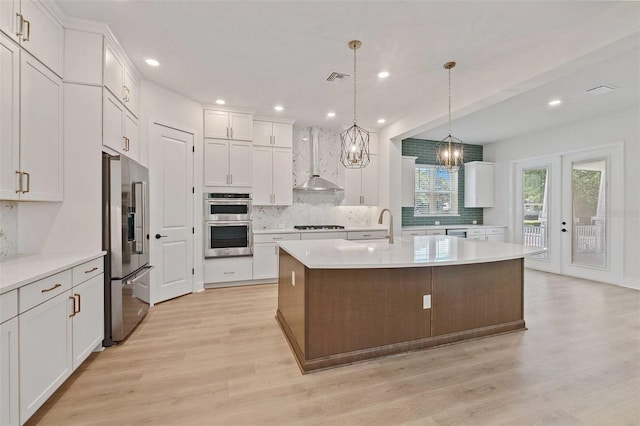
{"points": [[227, 225]]}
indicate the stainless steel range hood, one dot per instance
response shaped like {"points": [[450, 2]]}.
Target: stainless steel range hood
{"points": [[315, 182]]}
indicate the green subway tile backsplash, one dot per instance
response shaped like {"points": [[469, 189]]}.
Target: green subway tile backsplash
{"points": [[425, 150]]}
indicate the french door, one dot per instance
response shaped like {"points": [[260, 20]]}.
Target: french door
{"points": [[570, 204]]}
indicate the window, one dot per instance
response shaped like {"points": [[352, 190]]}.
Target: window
{"points": [[436, 192]]}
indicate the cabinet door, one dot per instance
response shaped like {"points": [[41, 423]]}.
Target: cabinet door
{"points": [[8, 17], [216, 124], [9, 116], [216, 162], [43, 35], [283, 135], [113, 123], [241, 126], [352, 187], [262, 133], [282, 176], [240, 154], [373, 143], [265, 261], [262, 176], [40, 131], [132, 134], [408, 181], [9, 408], [113, 70], [45, 352], [131, 88], [88, 323], [370, 182]]}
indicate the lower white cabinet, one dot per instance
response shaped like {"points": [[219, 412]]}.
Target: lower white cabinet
{"points": [[494, 234], [265, 261], [228, 269], [88, 321], [9, 408], [45, 352], [366, 235]]}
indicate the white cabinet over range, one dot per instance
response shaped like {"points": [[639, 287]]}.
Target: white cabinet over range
{"points": [[272, 162]]}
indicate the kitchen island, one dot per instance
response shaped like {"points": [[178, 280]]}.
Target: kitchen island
{"points": [[341, 301]]}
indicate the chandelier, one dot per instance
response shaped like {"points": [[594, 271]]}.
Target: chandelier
{"points": [[450, 150], [354, 153]]}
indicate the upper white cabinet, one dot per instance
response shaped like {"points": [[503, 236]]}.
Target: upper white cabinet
{"points": [[120, 127], [36, 29], [83, 53], [227, 163], [119, 79], [478, 184], [361, 185], [221, 124], [408, 181], [272, 176], [31, 149], [270, 133]]}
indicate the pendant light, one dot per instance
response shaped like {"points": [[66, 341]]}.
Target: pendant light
{"points": [[450, 150], [354, 152]]}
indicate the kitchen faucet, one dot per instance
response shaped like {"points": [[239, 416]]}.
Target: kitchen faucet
{"points": [[390, 223]]}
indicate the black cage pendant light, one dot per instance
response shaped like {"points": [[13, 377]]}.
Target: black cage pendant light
{"points": [[450, 151], [355, 140]]}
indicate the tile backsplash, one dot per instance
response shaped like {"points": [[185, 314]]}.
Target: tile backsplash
{"points": [[314, 208], [8, 229]]}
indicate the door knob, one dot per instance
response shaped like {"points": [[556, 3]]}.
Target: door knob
{"points": [[564, 223], [158, 236], [564, 230]]}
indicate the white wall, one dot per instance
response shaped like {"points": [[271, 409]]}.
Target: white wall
{"points": [[158, 104], [593, 132]]}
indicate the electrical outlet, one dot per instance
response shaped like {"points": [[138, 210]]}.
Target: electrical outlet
{"points": [[437, 222], [475, 222], [426, 301], [293, 278]]}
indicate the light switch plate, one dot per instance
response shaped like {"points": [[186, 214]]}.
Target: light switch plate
{"points": [[426, 301]]}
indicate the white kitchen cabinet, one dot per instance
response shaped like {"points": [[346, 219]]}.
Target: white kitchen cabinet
{"points": [[476, 234], [373, 143], [221, 124], [436, 232], [408, 181], [88, 321], [119, 127], [35, 28], [228, 269], [227, 163], [9, 381], [119, 79], [495, 234], [265, 261], [45, 351], [83, 57], [414, 233], [31, 148], [366, 235], [268, 133], [340, 235], [478, 184], [361, 185], [272, 176]]}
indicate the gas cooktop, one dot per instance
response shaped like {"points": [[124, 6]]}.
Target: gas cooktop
{"points": [[318, 227]]}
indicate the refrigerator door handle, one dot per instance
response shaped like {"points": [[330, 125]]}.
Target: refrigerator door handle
{"points": [[144, 271]]}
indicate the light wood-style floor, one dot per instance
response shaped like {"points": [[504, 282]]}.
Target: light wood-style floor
{"points": [[219, 358]]}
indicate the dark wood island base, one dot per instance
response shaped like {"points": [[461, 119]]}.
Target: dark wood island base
{"points": [[333, 317]]}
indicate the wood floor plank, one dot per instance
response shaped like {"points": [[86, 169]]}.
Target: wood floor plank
{"points": [[219, 358]]}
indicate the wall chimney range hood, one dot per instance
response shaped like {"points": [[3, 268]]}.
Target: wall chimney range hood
{"points": [[315, 183]]}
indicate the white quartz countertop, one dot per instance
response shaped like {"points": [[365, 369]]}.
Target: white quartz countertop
{"points": [[25, 269], [420, 227], [406, 252], [295, 231]]}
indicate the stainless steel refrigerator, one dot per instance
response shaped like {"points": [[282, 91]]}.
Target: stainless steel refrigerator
{"points": [[125, 237]]}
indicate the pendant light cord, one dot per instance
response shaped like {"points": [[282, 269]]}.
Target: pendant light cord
{"points": [[354, 85], [449, 104]]}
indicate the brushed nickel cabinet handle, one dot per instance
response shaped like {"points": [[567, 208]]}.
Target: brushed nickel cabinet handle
{"points": [[19, 190], [52, 288], [95, 268], [28, 37], [28, 182], [19, 24], [74, 306]]}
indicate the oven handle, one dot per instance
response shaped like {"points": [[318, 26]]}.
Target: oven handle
{"points": [[234, 202], [218, 223]]}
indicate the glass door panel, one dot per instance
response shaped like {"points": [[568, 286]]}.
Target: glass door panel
{"points": [[535, 229]]}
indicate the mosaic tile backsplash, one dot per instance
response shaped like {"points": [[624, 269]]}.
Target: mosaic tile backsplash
{"points": [[313, 208], [425, 150], [8, 229]]}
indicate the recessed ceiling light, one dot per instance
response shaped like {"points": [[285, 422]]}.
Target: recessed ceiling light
{"points": [[383, 74], [555, 102], [278, 107], [220, 101], [381, 120], [152, 62], [331, 114]]}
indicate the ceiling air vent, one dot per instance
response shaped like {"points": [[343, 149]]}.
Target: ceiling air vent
{"points": [[599, 90], [338, 77]]}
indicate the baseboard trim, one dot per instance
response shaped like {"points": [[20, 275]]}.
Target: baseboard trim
{"points": [[631, 283]]}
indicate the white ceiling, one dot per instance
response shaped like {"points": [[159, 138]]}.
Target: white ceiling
{"points": [[257, 54]]}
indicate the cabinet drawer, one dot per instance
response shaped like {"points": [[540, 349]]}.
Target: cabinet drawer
{"points": [[8, 305], [417, 233], [270, 238], [323, 235], [366, 235], [44, 289], [475, 232], [495, 231], [228, 269], [436, 232], [87, 270]]}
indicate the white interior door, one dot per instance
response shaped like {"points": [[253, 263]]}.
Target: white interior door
{"points": [[171, 222], [592, 236]]}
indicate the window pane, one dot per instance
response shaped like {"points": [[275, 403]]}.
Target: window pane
{"points": [[436, 191], [443, 181]]}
